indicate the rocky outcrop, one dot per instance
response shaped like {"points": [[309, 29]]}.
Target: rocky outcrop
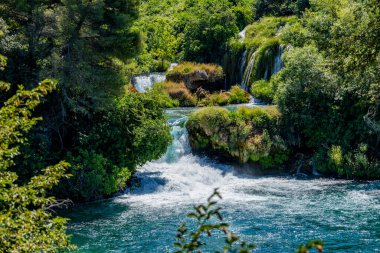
{"points": [[247, 135], [206, 76]]}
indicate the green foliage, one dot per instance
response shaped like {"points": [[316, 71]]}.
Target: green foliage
{"points": [[196, 30], [132, 133], [94, 176], [27, 223], [280, 7], [195, 75], [264, 43], [209, 221], [249, 134], [215, 99], [238, 96], [235, 96], [318, 245], [87, 45], [160, 92], [263, 90], [179, 93], [188, 68], [208, 25], [326, 91], [305, 93], [351, 163], [265, 29]]}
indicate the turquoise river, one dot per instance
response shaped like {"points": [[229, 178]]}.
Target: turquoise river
{"points": [[276, 213]]}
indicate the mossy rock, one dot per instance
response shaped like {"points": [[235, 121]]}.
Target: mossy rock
{"points": [[195, 75], [245, 135]]}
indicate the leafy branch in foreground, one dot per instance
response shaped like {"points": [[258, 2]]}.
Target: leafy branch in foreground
{"points": [[209, 220], [312, 244], [26, 224]]}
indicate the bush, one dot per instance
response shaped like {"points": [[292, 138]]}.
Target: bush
{"points": [[349, 164], [162, 97], [247, 135], [186, 68], [238, 96], [280, 7], [179, 92], [96, 176], [263, 90], [131, 133], [215, 99]]}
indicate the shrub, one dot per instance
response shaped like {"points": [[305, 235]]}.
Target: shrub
{"points": [[248, 134], [215, 99], [350, 164], [238, 96], [162, 97], [132, 133], [179, 92], [263, 90], [96, 176], [186, 68]]}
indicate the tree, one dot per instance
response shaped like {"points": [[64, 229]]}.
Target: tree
{"points": [[328, 92], [27, 223], [84, 45], [280, 7], [207, 27]]}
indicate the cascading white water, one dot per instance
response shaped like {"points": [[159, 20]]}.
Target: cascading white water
{"points": [[242, 35], [144, 83], [248, 71], [243, 60], [277, 213], [278, 64]]}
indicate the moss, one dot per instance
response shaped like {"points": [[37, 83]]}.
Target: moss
{"points": [[263, 40], [246, 135], [267, 27]]}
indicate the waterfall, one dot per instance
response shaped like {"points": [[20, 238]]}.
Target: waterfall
{"points": [[248, 71], [243, 60], [242, 35], [272, 67], [172, 66], [144, 83], [278, 64]]}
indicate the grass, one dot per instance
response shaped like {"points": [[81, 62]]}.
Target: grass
{"points": [[178, 92], [187, 68]]}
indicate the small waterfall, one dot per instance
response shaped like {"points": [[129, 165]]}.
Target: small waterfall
{"points": [[144, 83], [248, 71], [180, 145], [271, 67], [242, 35], [278, 64], [172, 66], [243, 60]]}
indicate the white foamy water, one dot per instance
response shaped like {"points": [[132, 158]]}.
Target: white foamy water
{"points": [[277, 213], [144, 83], [182, 177]]}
